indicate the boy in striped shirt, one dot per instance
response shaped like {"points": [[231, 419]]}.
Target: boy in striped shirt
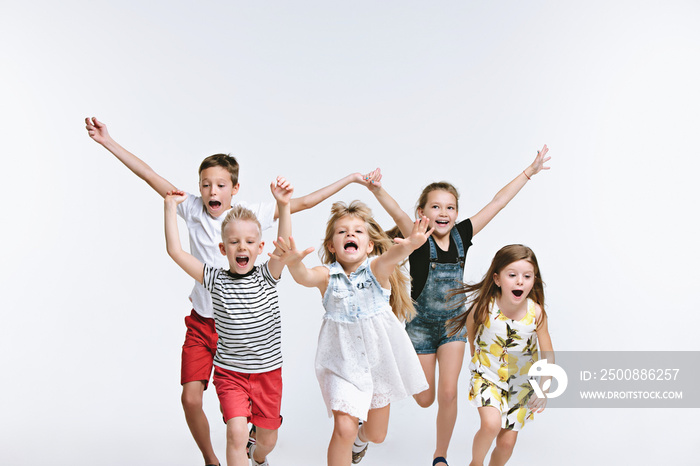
{"points": [[248, 360]]}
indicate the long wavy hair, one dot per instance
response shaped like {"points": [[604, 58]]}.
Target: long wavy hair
{"points": [[478, 296], [400, 300]]}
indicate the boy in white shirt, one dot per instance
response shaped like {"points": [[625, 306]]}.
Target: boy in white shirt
{"points": [[218, 183]]}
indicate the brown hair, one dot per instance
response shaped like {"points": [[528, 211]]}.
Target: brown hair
{"points": [[400, 300], [239, 213], [437, 186], [486, 290], [226, 161]]}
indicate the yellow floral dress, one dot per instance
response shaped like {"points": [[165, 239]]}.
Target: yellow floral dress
{"points": [[504, 350]]}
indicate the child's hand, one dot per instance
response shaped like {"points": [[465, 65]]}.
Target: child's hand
{"points": [[372, 180], [540, 160], [175, 197], [419, 234], [287, 252], [537, 405], [97, 130], [282, 190]]}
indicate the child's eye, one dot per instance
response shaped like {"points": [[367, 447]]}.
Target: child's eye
{"points": [[222, 186], [451, 207]]}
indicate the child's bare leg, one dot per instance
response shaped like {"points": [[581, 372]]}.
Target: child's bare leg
{"points": [[344, 433], [374, 430], [505, 442], [450, 357], [489, 429], [236, 441], [192, 395], [265, 441], [427, 396]]}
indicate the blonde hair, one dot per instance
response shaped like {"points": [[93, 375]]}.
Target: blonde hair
{"points": [[400, 300], [240, 213], [486, 290]]}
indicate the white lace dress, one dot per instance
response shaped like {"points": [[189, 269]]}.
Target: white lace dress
{"points": [[365, 359]]}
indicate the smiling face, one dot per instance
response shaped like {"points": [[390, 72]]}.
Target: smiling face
{"points": [[242, 243], [515, 280], [441, 210], [350, 242], [217, 189]]}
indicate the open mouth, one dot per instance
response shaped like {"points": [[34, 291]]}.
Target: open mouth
{"points": [[442, 223], [242, 261], [214, 204], [350, 246], [518, 293]]}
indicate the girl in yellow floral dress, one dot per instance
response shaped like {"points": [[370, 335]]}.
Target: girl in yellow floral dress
{"points": [[505, 321]]}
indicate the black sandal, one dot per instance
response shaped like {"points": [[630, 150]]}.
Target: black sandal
{"points": [[440, 459]]}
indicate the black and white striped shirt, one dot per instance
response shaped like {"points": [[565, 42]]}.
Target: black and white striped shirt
{"points": [[247, 317]]}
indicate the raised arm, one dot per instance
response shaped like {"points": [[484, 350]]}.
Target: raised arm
{"points": [[310, 200], [508, 192], [282, 191], [185, 260], [286, 251], [384, 265], [373, 182], [98, 132]]}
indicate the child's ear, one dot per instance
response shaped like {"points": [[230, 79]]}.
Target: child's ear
{"points": [[262, 245], [235, 189], [330, 247], [496, 280], [222, 248], [370, 247]]}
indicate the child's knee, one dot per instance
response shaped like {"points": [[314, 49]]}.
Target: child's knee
{"points": [[447, 395], [236, 434], [490, 427], [506, 442], [425, 398], [266, 439], [345, 427], [374, 435], [191, 400]]}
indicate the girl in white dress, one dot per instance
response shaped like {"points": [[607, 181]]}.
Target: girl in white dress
{"points": [[365, 360]]}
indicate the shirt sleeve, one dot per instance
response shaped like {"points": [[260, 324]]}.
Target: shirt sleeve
{"points": [[267, 276], [210, 276], [184, 209], [466, 232]]}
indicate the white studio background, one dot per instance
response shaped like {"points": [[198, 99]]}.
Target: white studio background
{"points": [[92, 319]]}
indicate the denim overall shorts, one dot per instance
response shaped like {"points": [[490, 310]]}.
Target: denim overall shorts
{"points": [[433, 308]]}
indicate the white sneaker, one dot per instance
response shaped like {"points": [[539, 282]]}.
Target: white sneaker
{"points": [[253, 462]]}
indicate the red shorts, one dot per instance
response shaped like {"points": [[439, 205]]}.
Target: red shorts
{"points": [[257, 397], [198, 350]]}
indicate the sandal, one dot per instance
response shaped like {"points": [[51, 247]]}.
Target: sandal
{"points": [[251, 440], [440, 459]]}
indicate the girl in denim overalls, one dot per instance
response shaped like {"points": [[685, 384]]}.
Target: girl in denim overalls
{"points": [[365, 360], [437, 267]]}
